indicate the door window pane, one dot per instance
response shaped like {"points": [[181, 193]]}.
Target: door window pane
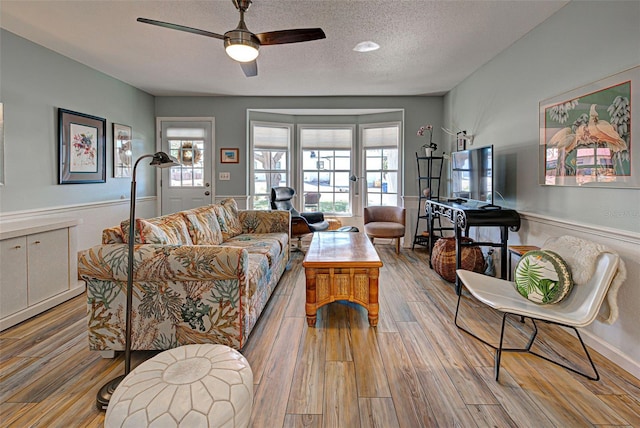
{"points": [[190, 154], [327, 172]]}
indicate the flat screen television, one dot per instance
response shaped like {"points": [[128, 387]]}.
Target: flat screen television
{"points": [[472, 174]]}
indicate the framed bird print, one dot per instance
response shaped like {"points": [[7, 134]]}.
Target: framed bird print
{"points": [[81, 148], [586, 134]]}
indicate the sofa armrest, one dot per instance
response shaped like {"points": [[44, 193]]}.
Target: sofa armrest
{"points": [[260, 221], [155, 262]]}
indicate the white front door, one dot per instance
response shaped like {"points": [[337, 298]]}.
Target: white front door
{"points": [[189, 185]]}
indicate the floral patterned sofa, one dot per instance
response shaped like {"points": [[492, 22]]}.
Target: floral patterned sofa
{"points": [[200, 276]]}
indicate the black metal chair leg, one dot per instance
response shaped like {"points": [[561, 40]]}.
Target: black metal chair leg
{"points": [[595, 376], [500, 349], [496, 367]]}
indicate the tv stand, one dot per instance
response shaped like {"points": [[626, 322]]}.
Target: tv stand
{"points": [[470, 214]]}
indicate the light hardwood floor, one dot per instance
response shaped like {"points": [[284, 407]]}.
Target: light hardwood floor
{"points": [[416, 369]]}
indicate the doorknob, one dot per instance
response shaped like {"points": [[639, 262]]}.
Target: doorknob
{"points": [[207, 193]]}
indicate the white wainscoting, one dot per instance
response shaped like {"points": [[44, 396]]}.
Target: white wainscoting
{"points": [[95, 217]]}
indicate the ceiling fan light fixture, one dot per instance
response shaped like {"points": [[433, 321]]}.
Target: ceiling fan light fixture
{"points": [[240, 46], [367, 46], [242, 52]]}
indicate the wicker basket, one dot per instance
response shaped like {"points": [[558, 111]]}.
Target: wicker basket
{"points": [[443, 258]]}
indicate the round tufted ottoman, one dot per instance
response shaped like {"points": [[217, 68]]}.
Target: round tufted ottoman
{"points": [[189, 386]]}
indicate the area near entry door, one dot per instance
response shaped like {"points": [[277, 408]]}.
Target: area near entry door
{"points": [[189, 185]]}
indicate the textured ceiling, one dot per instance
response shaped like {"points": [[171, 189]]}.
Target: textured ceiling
{"points": [[427, 47]]}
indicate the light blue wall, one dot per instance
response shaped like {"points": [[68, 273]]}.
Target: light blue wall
{"points": [[582, 43], [231, 124], [34, 83]]}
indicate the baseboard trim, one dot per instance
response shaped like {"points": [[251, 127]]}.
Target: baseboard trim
{"points": [[611, 353]]}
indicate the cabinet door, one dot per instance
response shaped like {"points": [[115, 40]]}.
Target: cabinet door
{"points": [[48, 263], [13, 275]]}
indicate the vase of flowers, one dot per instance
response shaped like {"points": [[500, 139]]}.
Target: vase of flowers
{"points": [[430, 146]]}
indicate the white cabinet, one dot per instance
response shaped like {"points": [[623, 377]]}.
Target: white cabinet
{"points": [[38, 267], [13, 276]]}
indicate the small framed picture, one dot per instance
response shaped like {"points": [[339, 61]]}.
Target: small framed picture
{"points": [[461, 140], [82, 148], [122, 153], [229, 155]]}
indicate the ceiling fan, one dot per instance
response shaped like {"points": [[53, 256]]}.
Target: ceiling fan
{"points": [[241, 44]]}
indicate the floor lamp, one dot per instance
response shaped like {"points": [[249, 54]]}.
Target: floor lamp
{"points": [[160, 160]]}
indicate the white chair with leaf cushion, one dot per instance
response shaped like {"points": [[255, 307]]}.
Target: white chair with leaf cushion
{"points": [[578, 307]]}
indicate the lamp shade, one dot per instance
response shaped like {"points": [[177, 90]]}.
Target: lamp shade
{"points": [[163, 160]]}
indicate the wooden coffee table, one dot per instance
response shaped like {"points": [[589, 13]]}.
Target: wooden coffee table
{"points": [[341, 266]]}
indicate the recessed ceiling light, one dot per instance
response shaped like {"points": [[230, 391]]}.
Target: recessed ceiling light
{"points": [[367, 46]]}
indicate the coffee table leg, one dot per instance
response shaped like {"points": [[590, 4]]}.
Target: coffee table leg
{"points": [[373, 297], [310, 306]]}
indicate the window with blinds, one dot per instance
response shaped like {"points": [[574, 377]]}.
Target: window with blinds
{"points": [[271, 144], [326, 167], [381, 144]]}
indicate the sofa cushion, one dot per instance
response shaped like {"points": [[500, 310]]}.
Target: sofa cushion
{"points": [[543, 277], [112, 235], [203, 227], [169, 229], [227, 213], [146, 233], [270, 245]]}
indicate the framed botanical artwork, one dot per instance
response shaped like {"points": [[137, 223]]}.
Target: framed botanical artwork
{"points": [[229, 155], [122, 151], [460, 140], [586, 134], [82, 148]]}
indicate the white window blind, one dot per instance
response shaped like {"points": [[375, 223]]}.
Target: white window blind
{"points": [[271, 137], [381, 137], [326, 138], [185, 133]]}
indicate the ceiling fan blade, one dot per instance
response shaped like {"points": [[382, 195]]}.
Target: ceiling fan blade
{"points": [[290, 36], [250, 68], [181, 28]]}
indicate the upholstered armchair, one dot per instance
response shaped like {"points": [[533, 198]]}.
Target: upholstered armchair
{"points": [[385, 222], [301, 223]]}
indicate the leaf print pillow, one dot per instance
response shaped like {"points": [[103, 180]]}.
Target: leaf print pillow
{"points": [[146, 233], [543, 277]]}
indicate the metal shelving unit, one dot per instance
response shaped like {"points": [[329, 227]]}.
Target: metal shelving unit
{"points": [[429, 177]]}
